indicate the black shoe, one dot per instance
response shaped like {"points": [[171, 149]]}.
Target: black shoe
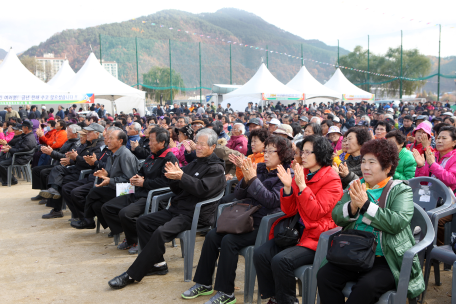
{"points": [[13, 182], [43, 201], [162, 270], [124, 245], [82, 224], [121, 281], [196, 291], [37, 198], [53, 214]]}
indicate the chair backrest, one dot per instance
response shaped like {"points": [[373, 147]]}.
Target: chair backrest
{"points": [[427, 195]]}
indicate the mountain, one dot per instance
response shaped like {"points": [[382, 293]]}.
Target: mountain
{"points": [[447, 67], [118, 44], [2, 54]]}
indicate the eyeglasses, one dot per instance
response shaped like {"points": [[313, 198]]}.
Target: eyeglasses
{"points": [[269, 152], [306, 153]]}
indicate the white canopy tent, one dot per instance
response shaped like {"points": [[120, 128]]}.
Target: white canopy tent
{"points": [[15, 78], [262, 86], [64, 75], [93, 78], [338, 82], [307, 84]]}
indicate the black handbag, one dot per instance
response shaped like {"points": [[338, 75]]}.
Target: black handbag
{"points": [[354, 250], [285, 232]]}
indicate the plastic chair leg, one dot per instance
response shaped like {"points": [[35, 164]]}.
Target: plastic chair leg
{"points": [[29, 170], [116, 239], [98, 226], [453, 285], [250, 275], [182, 247], [9, 175], [188, 256], [437, 273]]}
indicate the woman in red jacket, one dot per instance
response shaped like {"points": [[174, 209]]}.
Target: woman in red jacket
{"points": [[313, 192]]}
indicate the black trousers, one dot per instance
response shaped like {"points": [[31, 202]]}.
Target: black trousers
{"points": [[60, 175], [40, 176], [4, 164], [275, 270], [154, 230], [121, 214], [95, 200], [229, 245], [75, 194], [331, 279]]}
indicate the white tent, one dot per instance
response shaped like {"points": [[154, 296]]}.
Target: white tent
{"points": [[15, 78], [307, 84], [93, 78], [338, 82], [262, 86], [64, 75]]}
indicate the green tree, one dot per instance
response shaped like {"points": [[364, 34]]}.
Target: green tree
{"points": [[30, 63], [159, 77]]}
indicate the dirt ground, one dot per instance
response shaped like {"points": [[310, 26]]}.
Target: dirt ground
{"points": [[47, 261]]}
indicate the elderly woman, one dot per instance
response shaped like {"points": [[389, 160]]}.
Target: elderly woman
{"points": [[325, 125], [423, 137], [358, 209], [336, 138], [260, 186], [311, 194], [407, 165], [440, 165], [381, 129], [350, 168], [8, 135], [237, 140], [312, 129], [185, 133], [257, 138]]}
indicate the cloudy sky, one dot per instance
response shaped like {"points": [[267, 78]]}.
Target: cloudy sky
{"points": [[26, 23]]}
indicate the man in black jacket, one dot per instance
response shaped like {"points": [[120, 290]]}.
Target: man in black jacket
{"points": [[25, 144], [34, 114], [120, 167], [62, 174], [75, 193], [200, 180], [141, 149], [41, 173], [121, 212]]}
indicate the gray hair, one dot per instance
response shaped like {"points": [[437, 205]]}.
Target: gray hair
{"points": [[113, 128], [186, 119], [211, 136], [137, 126], [366, 118], [317, 118], [74, 129], [241, 125]]}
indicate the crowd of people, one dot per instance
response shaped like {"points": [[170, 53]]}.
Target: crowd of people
{"points": [[325, 164]]}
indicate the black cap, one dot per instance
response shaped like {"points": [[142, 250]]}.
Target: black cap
{"points": [[27, 123], [17, 127]]}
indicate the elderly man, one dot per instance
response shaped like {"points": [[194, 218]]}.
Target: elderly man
{"points": [[141, 149], [25, 144], [33, 113], [182, 122], [62, 174], [200, 180], [273, 124], [122, 212], [41, 173], [133, 133], [75, 193], [237, 140], [120, 168], [10, 113]]}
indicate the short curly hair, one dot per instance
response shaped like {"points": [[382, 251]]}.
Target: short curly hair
{"points": [[322, 149], [400, 138], [284, 148], [316, 128], [385, 151], [362, 134], [261, 134]]}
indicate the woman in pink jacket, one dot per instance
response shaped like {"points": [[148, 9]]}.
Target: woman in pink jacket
{"points": [[184, 133], [440, 165], [238, 141], [5, 138]]}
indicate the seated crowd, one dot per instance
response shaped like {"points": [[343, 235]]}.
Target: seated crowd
{"points": [[323, 166]]}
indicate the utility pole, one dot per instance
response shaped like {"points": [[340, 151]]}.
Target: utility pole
{"points": [[400, 87], [231, 68], [368, 85], [438, 76], [200, 72], [170, 74], [137, 71]]}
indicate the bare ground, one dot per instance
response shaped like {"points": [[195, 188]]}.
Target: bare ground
{"points": [[47, 261]]}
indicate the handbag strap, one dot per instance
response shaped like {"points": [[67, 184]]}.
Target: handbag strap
{"points": [[295, 220], [382, 199]]}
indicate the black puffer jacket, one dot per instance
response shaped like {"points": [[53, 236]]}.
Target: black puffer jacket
{"points": [[70, 144], [88, 149], [25, 144], [153, 171], [354, 168], [143, 150], [263, 190], [203, 179]]}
